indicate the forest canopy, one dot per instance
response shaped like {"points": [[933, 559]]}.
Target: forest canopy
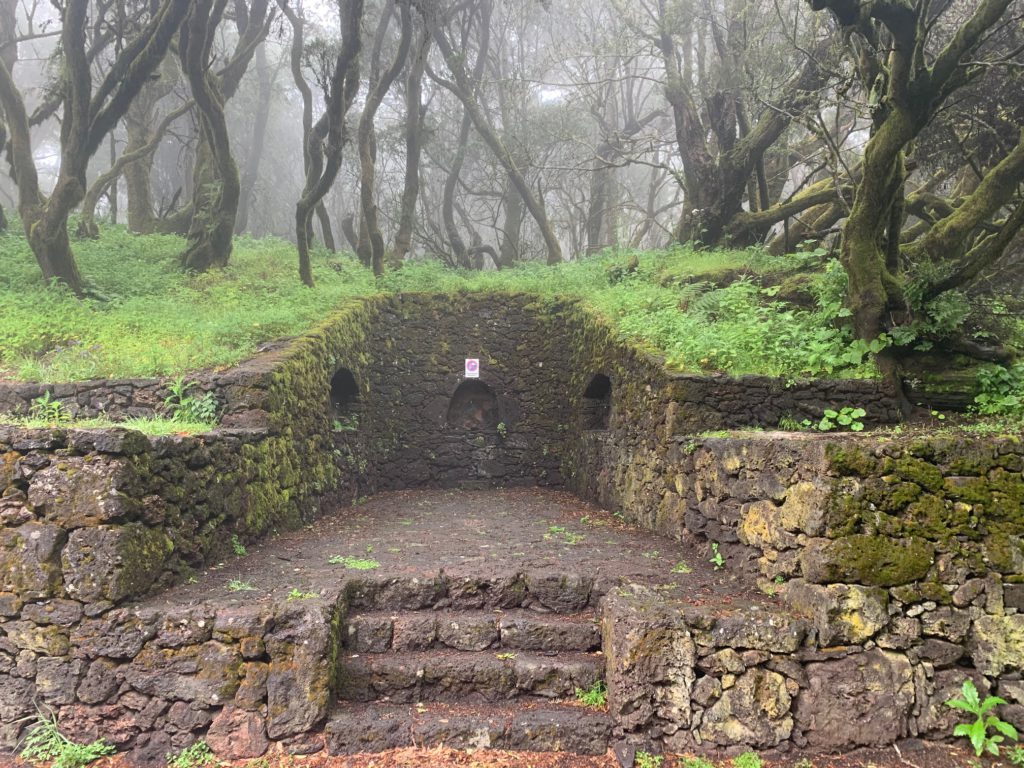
{"points": [[877, 140]]}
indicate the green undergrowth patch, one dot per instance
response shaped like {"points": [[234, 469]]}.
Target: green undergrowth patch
{"points": [[154, 427], [732, 311]]}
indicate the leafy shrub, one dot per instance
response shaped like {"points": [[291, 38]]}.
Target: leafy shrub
{"points": [[48, 410], [747, 760], [1001, 391], [196, 756]]}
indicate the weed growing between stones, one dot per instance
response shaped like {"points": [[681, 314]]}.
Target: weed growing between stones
{"points": [[595, 697], [196, 756], [45, 742], [237, 546], [354, 563], [978, 732], [647, 760], [716, 559], [298, 594], [747, 760]]}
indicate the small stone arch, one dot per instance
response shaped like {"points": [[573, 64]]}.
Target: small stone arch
{"points": [[473, 406], [596, 405], [344, 398]]}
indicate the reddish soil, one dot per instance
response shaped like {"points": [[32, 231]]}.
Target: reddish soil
{"points": [[910, 754]]}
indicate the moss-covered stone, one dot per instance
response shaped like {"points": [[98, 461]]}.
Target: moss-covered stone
{"points": [[870, 560], [920, 472]]}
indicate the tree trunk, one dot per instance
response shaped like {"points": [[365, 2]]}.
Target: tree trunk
{"points": [[367, 153], [259, 135], [327, 138], [413, 145], [214, 203]]}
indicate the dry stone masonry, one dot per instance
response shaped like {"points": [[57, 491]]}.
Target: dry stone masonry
{"points": [[892, 567]]}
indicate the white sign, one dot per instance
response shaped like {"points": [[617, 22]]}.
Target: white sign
{"points": [[472, 368]]}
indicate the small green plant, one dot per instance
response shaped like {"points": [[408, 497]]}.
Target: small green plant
{"points": [[48, 409], [196, 756], [505, 655], [682, 567], [237, 546], [560, 532], [717, 559], [354, 563], [803, 762], [184, 407], [654, 555], [1017, 756], [346, 423], [647, 760], [696, 762], [502, 430], [298, 594], [747, 760], [596, 696], [789, 424], [235, 585], [846, 417], [45, 742], [978, 732]]}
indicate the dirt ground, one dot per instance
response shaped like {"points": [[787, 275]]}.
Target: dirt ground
{"points": [[422, 533], [910, 754]]}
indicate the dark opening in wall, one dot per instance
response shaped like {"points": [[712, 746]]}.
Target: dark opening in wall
{"points": [[473, 406], [597, 403], [344, 408]]}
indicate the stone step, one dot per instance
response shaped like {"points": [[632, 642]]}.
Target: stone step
{"points": [[444, 675], [526, 725], [547, 590], [521, 630]]}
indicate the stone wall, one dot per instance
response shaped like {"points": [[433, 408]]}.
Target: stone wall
{"points": [[896, 571], [709, 403]]}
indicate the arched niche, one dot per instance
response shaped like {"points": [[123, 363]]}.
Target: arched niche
{"points": [[473, 406], [344, 399], [596, 404]]}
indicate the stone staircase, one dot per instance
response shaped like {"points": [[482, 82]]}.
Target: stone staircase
{"points": [[486, 667]]}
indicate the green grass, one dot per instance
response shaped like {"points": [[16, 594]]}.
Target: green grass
{"points": [[153, 320], [155, 426], [354, 563]]}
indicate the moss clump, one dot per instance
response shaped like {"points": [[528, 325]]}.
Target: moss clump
{"points": [[1005, 553], [852, 460], [876, 561], [926, 475], [923, 591]]}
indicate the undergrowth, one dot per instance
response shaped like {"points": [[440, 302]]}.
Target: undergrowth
{"points": [[155, 426], [703, 311], [45, 743]]}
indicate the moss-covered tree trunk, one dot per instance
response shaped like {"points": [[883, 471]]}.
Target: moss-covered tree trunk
{"points": [[216, 195], [413, 148]]}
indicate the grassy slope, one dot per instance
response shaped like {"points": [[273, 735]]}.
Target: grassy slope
{"points": [[156, 321]]}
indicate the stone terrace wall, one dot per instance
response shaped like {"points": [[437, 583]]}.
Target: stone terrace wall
{"points": [[899, 569], [709, 403]]}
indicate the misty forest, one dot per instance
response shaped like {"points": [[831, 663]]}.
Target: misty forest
{"points": [[512, 383], [791, 187]]}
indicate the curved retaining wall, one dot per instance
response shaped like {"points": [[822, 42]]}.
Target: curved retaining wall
{"points": [[91, 522]]}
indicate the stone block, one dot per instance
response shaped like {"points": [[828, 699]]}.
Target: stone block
{"points": [[113, 562], [876, 561], [754, 712], [841, 613], [30, 560], [83, 491], [996, 644], [862, 700]]}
